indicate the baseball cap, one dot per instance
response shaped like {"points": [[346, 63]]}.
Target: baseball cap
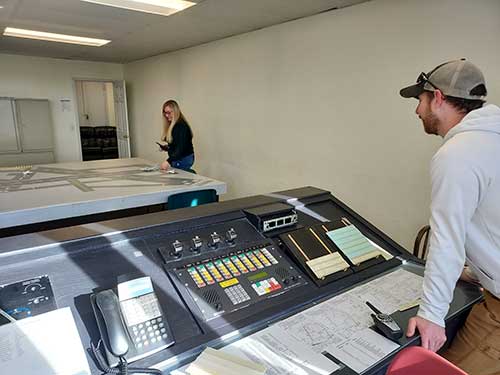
{"points": [[457, 78]]}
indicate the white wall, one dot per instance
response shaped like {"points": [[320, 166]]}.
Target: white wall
{"points": [[35, 77], [315, 102]]}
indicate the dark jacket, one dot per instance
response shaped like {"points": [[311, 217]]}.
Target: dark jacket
{"points": [[182, 142]]}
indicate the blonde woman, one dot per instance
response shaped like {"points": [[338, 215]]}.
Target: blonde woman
{"points": [[179, 137]]}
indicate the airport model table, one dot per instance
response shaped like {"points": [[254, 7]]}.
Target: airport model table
{"points": [[51, 192]]}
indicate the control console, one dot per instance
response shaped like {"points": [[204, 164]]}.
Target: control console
{"points": [[222, 268], [228, 281]]}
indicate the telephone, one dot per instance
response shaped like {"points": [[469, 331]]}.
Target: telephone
{"points": [[132, 324]]}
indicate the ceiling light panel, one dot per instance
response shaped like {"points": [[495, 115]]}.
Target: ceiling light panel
{"points": [[161, 7], [51, 37]]}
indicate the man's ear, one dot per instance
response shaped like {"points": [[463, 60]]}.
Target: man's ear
{"points": [[438, 97]]}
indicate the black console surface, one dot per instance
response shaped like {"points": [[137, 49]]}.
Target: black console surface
{"points": [[216, 272]]}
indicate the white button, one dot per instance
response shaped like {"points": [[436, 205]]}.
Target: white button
{"points": [[164, 335], [153, 340]]}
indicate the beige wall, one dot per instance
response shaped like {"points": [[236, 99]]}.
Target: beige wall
{"points": [[35, 77], [315, 102]]}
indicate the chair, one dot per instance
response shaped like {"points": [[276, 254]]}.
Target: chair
{"points": [[416, 360], [191, 199], [422, 242], [90, 149], [98, 142]]}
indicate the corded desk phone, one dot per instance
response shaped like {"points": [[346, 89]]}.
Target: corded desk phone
{"points": [[132, 324]]}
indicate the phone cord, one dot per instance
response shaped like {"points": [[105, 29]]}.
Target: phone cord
{"points": [[122, 368]]}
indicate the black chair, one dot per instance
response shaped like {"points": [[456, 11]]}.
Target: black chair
{"points": [[106, 136], [98, 142], [421, 245], [191, 199], [90, 149]]}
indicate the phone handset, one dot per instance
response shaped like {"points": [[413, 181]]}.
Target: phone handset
{"points": [[109, 306], [131, 323]]}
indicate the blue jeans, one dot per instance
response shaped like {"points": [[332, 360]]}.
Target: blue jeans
{"points": [[185, 163]]}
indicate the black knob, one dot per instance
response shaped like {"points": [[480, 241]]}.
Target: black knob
{"points": [[197, 244], [286, 281], [177, 245], [294, 278], [218, 306], [214, 240], [231, 236]]}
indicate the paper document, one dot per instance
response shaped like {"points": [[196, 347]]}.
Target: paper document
{"points": [[353, 244], [340, 318], [215, 362], [46, 344], [281, 354], [362, 350]]}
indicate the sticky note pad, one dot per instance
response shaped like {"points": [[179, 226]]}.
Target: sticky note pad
{"points": [[353, 244]]}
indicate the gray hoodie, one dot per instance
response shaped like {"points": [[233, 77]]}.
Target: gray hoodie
{"points": [[465, 211]]}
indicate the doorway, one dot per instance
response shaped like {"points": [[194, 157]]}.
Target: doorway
{"points": [[102, 119]]}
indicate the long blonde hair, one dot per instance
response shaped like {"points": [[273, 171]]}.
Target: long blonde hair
{"points": [[177, 115]]}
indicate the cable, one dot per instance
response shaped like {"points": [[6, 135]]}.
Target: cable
{"points": [[122, 367]]}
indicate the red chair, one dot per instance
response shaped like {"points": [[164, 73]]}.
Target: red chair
{"points": [[416, 360]]}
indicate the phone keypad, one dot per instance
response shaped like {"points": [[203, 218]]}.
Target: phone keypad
{"points": [[149, 333]]}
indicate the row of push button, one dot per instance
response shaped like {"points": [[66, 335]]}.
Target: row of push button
{"points": [[231, 267], [266, 286], [237, 294], [149, 332]]}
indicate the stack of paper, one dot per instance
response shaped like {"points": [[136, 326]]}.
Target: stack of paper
{"points": [[353, 244], [214, 362], [46, 344], [327, 264]]}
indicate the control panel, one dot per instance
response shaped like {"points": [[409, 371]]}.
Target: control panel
{"points": [[27, 298], [213, 238], [231, 280]]}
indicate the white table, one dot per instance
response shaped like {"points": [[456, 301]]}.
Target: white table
{"points": [[59, 191]]}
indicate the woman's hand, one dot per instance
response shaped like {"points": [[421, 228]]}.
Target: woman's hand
{"points": [[162, 147], [164, 166]]}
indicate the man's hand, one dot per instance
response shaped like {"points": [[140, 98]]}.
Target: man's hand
{"points": [[164, 166], [433, 336]]}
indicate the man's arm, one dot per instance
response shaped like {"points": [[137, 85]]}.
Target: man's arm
{"points": [[455, 195]]}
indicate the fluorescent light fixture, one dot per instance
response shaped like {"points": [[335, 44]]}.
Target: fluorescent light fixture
{"points": [[51, 37], [161, 7]]}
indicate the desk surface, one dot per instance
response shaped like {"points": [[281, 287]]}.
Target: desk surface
{"points": [[83, 259], [59, 191]]}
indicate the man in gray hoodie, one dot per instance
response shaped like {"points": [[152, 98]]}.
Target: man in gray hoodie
{"points": [[465, 212]]}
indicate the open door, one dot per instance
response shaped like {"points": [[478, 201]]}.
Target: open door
{"points": [[121, 116], [102, 119]]}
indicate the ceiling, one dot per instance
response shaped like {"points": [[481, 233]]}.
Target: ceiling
{"points": [[137, 35]]}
